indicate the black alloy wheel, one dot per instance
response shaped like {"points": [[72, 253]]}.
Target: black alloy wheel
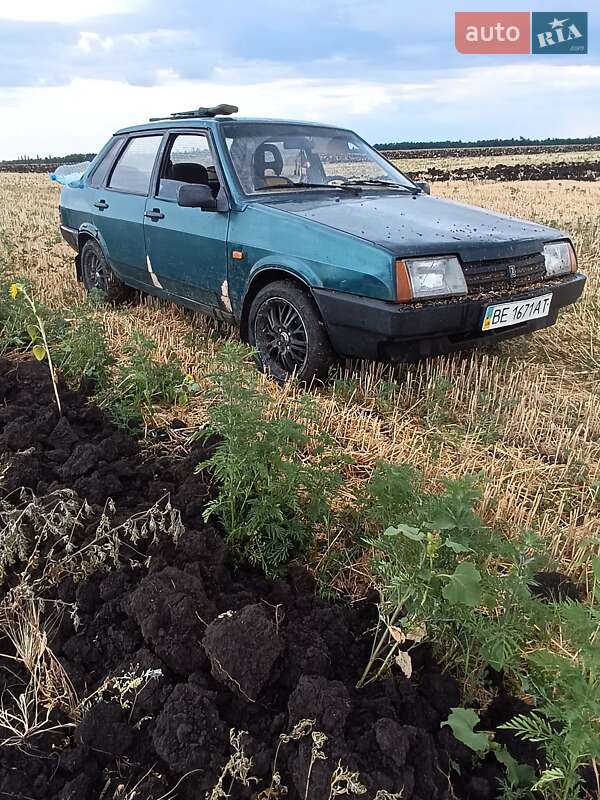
{"points": [[285, 327], [92, 267], [97, 274], [281, 337]]}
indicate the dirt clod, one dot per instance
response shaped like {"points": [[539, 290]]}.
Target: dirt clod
{"points": [[189, 733], [327, 702], [105, 730], [172, 610], [243, 648], [555, 587]]}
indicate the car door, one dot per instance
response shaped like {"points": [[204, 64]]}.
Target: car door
{"points": [[119, 207], [186, 248]]}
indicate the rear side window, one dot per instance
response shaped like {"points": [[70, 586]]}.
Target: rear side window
{"points": [[133, 169], [101, 171]]}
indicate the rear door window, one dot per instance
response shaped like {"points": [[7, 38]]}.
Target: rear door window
{"points": [[100, 173], [133, 170]]}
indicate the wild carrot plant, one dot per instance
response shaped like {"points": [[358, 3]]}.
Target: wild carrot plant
{"points": [[271, 495]]}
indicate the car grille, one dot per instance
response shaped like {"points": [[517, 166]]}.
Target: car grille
{"points": [[505, 273]]}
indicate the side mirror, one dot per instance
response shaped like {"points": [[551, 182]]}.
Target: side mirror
{"points": [[424, 186], [196, 195]]}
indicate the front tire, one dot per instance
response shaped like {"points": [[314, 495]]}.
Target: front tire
{"points": [[96, 273], [286, 329]]}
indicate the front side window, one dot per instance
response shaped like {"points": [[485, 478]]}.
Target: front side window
{"points": [[283, 156], [133, 170], [188, 160]]}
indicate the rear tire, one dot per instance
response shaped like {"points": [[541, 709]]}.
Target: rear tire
{"points": [[96, 273], [286, 329]]}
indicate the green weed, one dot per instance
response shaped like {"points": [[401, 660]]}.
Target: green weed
{"points": [[82, 353], [445, 577], [519, 777], [36, 330], [78, 344], [140, 382], [565, 687], [15, 318], [271, 496]]}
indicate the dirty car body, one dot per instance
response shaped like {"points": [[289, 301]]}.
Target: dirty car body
{"points": [[310, 241]]}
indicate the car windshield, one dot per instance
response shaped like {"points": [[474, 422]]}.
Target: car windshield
{"points": [[282, 156]]}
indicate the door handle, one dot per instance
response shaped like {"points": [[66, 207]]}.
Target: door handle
{"points": [[155, 214], [101, 204]]}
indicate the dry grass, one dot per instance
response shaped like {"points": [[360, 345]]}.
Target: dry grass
{"points": [[47, 688], [526, 414], [42, 532]]}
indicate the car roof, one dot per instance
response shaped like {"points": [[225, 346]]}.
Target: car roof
{"points": [[213, 122]]}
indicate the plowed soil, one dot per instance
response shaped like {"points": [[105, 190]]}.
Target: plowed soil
{"points": [[563, 170], [228, 648]]}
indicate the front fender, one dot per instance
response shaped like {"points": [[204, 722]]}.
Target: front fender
{"points": [[316, 254], [297, 268]]}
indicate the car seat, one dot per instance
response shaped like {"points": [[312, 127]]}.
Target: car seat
{"points": [[274, 164], [190, 172]]}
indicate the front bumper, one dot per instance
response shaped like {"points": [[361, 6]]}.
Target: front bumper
{"points": [[360, 327]]}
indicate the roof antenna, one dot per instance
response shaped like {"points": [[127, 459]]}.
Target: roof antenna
{"points": [[199, 113]]}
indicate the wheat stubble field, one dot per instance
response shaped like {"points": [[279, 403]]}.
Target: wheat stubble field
{"points": [[526, 415]]}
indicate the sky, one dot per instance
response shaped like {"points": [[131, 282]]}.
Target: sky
{"points": [[74, 71]]}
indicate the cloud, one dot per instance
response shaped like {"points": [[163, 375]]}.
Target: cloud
{"points": [[388, 66], [86, 112], [345, 39]]}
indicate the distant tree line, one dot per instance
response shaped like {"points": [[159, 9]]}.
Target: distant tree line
{"points": [[459, 143], [71, 158], [74, 158]]}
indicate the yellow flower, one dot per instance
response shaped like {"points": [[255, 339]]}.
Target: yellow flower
{"points": [[13, 291], [189, 377]]}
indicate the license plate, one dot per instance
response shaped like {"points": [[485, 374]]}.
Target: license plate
{"points": [[499, 316]]}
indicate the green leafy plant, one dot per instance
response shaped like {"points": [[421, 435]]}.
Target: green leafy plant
{"points": [[462, 722], [140, 382], [444, 576], [14, 319], [271, 496], [37, 335], [81, 352], [76, 341], [392, 493], [565, 687]]}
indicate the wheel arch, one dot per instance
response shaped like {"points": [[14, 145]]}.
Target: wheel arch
{"points": [[261, 279], [86, 233]]}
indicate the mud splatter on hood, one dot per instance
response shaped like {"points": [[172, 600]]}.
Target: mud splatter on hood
{"points": [[422, 225]]}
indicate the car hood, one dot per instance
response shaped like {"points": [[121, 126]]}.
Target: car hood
{"points": [[421, 225]]}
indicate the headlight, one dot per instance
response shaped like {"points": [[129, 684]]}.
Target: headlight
{"points": [[560, 258], [420, 278]]}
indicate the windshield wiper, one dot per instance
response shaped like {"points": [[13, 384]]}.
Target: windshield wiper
{"points": [[375, 182], [346, 186]]}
